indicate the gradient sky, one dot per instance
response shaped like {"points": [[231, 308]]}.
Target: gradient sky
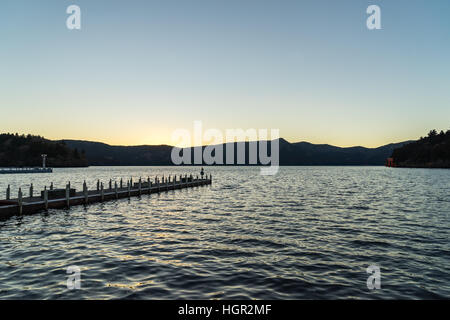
{"points": [[138, 70]]}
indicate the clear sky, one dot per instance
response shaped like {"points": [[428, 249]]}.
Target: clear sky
{"points": [[138, 70]]}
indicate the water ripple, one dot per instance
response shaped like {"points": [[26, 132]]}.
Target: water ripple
{"points": [[307, 233]]}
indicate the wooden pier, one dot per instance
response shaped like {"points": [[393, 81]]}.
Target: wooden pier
{"points": [[65, 198]]}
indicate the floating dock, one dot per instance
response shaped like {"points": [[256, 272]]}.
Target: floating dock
{"points": [[65, 198], [25, 170], [43, 169]]}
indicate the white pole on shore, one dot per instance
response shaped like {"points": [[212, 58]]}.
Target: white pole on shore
{"points": [[44, 156]]}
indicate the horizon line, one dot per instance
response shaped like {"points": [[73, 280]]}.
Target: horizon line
{"points": [[197, 146]]}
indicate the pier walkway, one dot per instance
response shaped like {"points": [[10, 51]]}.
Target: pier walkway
{"points": [[65, 198]]}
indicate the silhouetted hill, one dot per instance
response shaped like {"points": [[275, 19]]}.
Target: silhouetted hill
{"points": [[301, 153], [25, 151], [101, 154], [305, 153], [429, 152]]}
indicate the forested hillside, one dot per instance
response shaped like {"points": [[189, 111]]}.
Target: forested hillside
{"points": [[25, 151], [432, 151]]}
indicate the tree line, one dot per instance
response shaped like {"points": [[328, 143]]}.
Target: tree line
{"points": [[432, 151], [26, 150]]}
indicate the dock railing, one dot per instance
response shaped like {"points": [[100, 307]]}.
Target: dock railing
{"points": [[65, 198]]}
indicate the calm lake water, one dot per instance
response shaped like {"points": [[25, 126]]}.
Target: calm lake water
{"points": [[306, 233]]}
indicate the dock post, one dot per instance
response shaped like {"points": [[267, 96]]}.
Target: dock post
{"points": [[98, 185], [85, 193], [8, 192], [115, 189], [140, 186], [131, 182], [20, 201], [110, 184], [210, 178], [121, 183], [159, 187], [67, 195], [174, 181], [102, 192], [31, 190], [129, 190], [45, 198], [51, 186], [149, 185]]}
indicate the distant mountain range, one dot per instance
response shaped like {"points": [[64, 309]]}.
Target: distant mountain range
{"points": [[300, 153]]}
